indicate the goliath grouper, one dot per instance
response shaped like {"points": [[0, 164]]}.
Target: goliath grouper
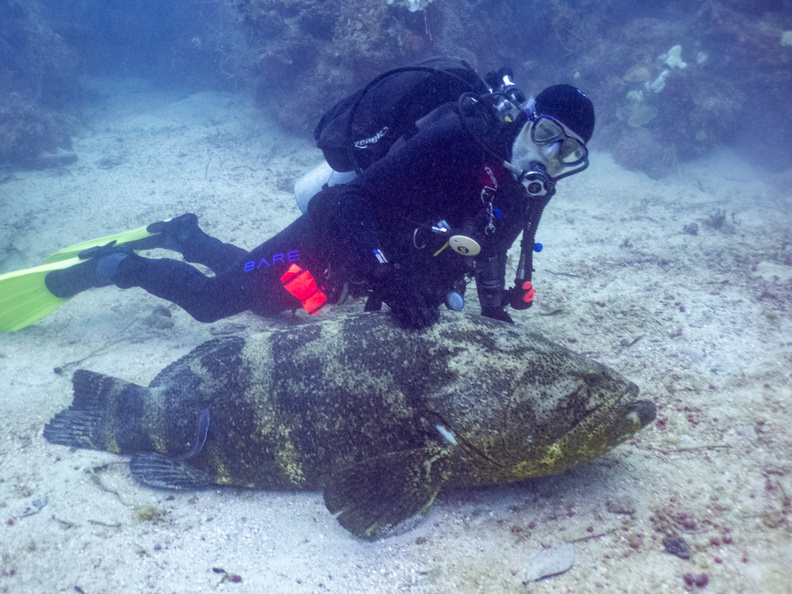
{"points": [[377, 417]]}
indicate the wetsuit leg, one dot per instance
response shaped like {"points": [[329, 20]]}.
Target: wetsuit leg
{"points": [[211, 252], [183, 235], [251, 282]]}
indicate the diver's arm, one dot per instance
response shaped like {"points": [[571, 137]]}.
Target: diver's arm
{"points": [[413, 178], [344, 216], [491, 279]]}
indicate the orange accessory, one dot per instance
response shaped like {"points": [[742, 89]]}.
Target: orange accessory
{"points": [[528, 291], [301, 283]]}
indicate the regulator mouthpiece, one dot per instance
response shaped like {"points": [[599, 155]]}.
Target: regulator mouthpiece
{"points": [[536, 180]]}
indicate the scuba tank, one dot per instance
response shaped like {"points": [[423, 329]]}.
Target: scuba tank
{"points": [[310, 184]]}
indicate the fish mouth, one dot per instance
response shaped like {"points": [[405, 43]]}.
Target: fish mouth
{"points": [[633, 410], [645, 410], [633, 417], [632, 414]]}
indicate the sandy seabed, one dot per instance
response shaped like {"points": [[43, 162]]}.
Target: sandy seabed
{"points": [[684, 285]]}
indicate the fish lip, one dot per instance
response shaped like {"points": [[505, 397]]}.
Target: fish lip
{"points": [[646, 410], [632, 407], [632, 416]]}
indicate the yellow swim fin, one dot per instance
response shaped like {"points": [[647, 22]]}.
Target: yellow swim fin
{"points": [[24, 297], [127, 237]]}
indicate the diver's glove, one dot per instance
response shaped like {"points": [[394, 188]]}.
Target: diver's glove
{"points": [[497, 313], [411, 307]]}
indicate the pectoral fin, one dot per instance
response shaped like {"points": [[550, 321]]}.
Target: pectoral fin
{"points": [[200, 438], [389, 494]]}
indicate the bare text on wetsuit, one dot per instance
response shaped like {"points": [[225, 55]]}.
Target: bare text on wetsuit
{"points": [[283, 258]]}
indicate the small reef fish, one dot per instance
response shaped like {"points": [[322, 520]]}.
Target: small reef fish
{"points": [[378, 418]]}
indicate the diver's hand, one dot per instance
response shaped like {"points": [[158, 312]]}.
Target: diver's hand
{"points": [[497, 313], [412, 309], [414, 314]]}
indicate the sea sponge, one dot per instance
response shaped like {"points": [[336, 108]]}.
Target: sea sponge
{"points": [[412, 5]]}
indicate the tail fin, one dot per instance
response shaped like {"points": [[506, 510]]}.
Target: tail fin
{"points": [[105, 415]]}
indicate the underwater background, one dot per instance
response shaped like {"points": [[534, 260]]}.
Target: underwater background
{"points": [[669, 259], [671, 80]]}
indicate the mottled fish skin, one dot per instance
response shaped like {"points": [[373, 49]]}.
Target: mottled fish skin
{"points": [[485, 402]]}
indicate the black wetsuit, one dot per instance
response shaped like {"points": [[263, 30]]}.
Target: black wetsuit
{"points": [[441, 173]]}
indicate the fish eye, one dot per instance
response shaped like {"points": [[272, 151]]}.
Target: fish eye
{"points": [[592, 378]]}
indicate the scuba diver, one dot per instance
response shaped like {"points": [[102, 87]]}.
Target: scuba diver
{"points": [[441, 205]]}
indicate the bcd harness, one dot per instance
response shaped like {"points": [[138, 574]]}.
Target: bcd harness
{"points": [[466, 241]]}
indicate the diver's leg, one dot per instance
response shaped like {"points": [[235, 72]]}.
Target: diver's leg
{"points": [[252, 282], [294, 250], [212, 252], [206, 299]]}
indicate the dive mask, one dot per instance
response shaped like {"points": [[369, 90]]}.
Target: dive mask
{"points": [[572, 153], [546, 130]]}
